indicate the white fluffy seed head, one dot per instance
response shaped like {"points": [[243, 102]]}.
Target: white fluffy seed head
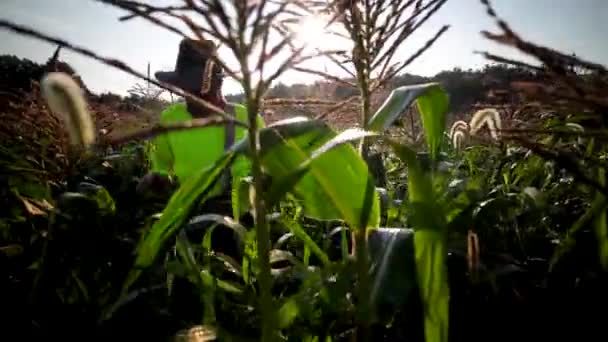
{"points": [[486, 117], [459, 133], [458, 139], [459, 125], [65, 98]]}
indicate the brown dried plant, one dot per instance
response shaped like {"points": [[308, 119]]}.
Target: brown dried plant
{"points": [[569, 85]]}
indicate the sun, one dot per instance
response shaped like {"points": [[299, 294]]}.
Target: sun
{"points": [[312, 32]]}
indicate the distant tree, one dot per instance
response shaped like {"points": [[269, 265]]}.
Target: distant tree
{"points": [[300, 91], [407, 79], [344, 91], [279, 91], [235, 98], [464, 88], [109, 98], [17, 73], [146, 91]]}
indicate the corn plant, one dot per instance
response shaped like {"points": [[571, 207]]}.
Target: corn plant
{"points": [[284, 160], [429, 222], [302, 157], [376, 30], [305, 160]]}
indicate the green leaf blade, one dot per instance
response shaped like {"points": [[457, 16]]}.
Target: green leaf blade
{"points": [[322, 169], [176, 213], [433, 107], [430, 250]]}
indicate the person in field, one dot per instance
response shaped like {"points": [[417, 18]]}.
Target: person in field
{"points": [[177, 156]]}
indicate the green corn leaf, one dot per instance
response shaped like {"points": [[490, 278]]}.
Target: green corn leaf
{"points": [[432, 102], [250, 258], [420, 186], [227, 286], [593, 215], [206, 285], [288, 313], [396, 105], [433, 107], [238, 228], [370, 197], [349, 135], [299, 232], [176, 213], [392, 267], [240, 197], [336, 185], [430, 249], [430, 246], [286, 184], [305, 132], [600, 224]]}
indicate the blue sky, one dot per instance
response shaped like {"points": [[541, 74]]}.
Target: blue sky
{"points": [[567, 25]]}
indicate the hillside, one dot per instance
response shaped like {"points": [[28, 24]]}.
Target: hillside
{"points": [[25, 118], [468, 90]]}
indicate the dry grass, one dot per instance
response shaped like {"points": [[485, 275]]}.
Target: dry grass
{"points": [[30, 132]]}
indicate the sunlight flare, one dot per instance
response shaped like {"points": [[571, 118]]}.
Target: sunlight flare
{"points": [[312, 33]]}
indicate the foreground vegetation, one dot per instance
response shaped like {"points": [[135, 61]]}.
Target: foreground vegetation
{"points": [[493, 227]]}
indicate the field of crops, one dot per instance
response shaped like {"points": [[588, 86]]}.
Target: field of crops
{"points": [[409, 211]]}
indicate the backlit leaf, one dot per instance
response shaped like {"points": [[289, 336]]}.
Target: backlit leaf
{"points": [[336, 185], [430, 245], [432, 102]]}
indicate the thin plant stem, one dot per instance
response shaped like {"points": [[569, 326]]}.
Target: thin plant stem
{"points": [[261, 226], [363, 286]]}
